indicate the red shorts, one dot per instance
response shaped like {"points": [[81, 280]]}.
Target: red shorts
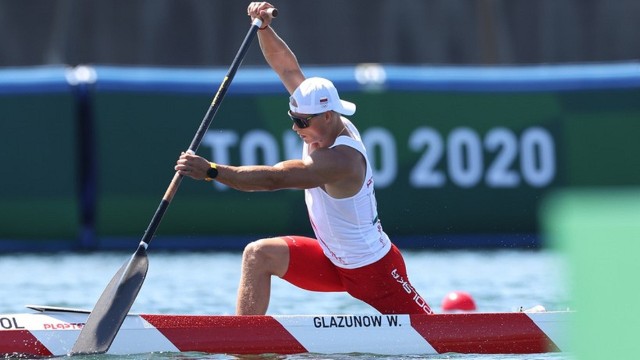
{"points": [[383, 284]]}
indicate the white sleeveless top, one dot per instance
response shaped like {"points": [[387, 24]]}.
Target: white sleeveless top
{"points": [[348, 229]]}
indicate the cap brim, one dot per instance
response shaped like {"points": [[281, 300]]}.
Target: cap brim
{"points": [[347, 108]]}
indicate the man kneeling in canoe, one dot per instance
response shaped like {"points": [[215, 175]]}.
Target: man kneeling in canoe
{"points": [[351, 252]]}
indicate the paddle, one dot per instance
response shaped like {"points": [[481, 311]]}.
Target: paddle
{"points": [[116, 300]]}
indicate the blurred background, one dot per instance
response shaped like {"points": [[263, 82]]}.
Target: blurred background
{"points": [[205, 32], [474, 113]]}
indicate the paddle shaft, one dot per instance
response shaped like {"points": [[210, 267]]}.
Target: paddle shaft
{"points": [[116, 300], [202, 130]]}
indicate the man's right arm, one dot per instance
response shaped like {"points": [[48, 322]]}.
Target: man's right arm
{"points": [[276, 52]]}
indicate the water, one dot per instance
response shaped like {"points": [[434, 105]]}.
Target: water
{"points": [[206, 283]]}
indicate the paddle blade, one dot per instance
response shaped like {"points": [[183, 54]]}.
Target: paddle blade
{"points": [[114, 304]]}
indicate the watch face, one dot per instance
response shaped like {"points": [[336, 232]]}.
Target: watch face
{"points": [[212, 173]]}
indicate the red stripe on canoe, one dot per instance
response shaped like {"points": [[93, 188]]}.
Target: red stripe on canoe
{"points": [[226, 334], [499, 333], [22, 342]]}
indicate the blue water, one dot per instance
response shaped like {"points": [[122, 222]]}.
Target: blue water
{"points": [[206, 283]]}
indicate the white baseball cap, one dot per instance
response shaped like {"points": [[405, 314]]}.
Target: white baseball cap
{"points": [[317, 95]]}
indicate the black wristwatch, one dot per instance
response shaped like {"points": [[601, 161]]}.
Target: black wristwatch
{"points": [[212, 172]]}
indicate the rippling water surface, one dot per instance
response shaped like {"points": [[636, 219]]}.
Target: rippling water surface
{"points": [[206, 283]]}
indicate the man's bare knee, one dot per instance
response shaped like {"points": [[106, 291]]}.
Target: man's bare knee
{"points": [[268, 255], [253, 253]]}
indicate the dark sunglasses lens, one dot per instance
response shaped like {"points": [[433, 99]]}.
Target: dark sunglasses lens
{"points": [[301, 123]]}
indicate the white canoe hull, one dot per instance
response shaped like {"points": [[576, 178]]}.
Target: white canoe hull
{"points": [[53, 331]]}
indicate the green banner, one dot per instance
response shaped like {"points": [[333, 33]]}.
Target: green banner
{"points": [[446, 163], [459, 154], [39, 157]]}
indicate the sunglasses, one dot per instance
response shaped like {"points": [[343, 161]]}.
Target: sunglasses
{"points": [[302, 122]]}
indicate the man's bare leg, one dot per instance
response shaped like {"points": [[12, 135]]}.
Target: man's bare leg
{"points": [[260, 260]]}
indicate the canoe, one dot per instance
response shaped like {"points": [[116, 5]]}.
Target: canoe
{"points": [[52, 331]]}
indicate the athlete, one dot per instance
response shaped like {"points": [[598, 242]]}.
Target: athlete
{"points": [[350, 252]]}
